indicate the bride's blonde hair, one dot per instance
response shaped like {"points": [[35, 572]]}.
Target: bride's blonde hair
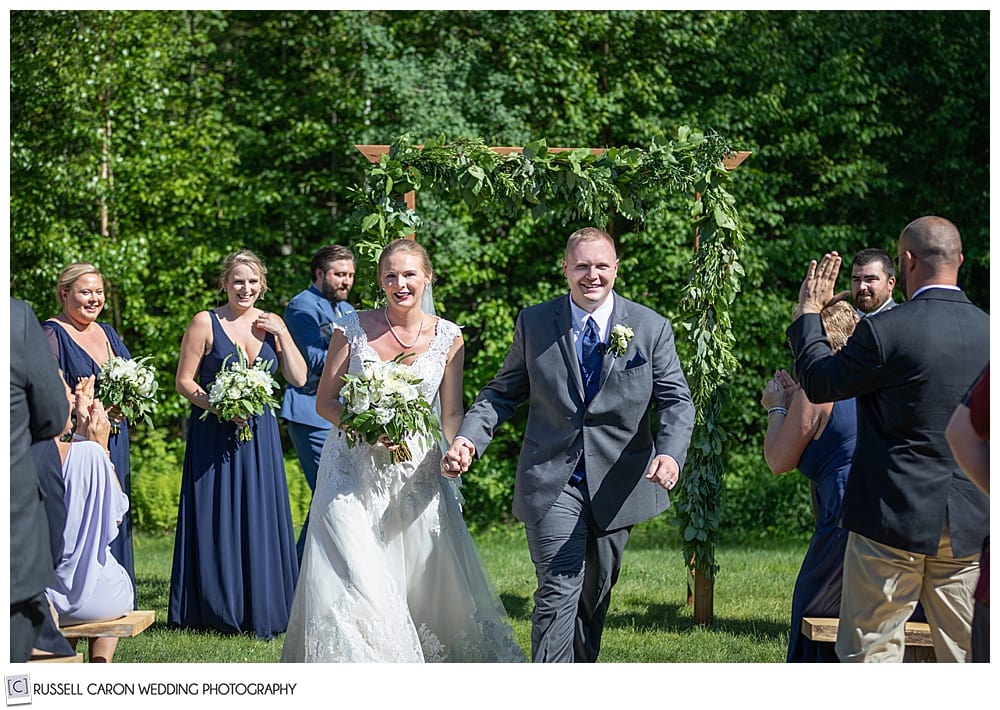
{"points": [[406, 246]]}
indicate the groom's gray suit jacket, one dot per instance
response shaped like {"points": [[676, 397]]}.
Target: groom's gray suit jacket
{"points": [[613, 432]]}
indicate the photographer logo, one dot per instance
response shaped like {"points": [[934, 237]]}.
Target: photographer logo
{"points": [[18, 689]]}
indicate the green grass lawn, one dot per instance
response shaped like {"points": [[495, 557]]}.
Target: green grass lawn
{"points": [[649, 620]]}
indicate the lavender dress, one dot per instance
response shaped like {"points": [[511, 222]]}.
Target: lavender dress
{"points": [[75, 363], [90, 583]]}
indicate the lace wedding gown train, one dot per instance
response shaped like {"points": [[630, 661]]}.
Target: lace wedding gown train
{"points": [[389, 572]]}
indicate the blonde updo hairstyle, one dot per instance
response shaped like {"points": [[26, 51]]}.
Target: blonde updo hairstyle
{"points": [[405, 246], [247, 258], [839, 320], [69, 275]]}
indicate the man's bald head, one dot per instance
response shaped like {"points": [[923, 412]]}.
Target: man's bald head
{"points": [[934, 239], [930, 252]]}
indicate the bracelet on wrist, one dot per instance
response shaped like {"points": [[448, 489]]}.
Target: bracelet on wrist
{"points": [[776, 410]]}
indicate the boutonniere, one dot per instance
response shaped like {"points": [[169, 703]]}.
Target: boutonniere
{"points": [[618, 339]]}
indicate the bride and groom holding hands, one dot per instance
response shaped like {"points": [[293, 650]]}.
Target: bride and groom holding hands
{"points": [[389, 572]]}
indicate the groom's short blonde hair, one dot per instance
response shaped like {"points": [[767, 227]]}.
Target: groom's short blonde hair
{"points": [[589, 234]]}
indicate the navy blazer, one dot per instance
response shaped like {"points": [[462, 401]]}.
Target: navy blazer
{"points": [[38, 411], [309, 317], [909, 368]]}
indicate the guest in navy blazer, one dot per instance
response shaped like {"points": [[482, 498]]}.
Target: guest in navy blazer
{"points": [[309, 317], [38, 411], [916, 521]]}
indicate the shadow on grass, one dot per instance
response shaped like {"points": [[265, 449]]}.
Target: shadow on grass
{"points": [[676, 618], [751, 628], [517, 607], [661, 617]]}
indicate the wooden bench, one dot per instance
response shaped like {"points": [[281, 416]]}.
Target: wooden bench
{"points": [[38, 656], [132, 624], [919, 644]]}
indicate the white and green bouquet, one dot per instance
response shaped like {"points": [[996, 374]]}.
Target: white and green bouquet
{"points": [[242, 390], [384, 401], [128, 385]]}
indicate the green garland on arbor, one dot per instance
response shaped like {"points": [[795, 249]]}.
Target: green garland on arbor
{"points": [[579, 185]]}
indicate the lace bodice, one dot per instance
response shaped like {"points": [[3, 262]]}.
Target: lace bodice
{"points": [[428, 365], [382, 481]]}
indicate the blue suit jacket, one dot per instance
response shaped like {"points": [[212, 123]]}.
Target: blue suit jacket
{"points": [[309, 317]]}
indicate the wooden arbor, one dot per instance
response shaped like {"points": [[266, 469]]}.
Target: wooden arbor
{"points": [[718, 215], [374, 152]]}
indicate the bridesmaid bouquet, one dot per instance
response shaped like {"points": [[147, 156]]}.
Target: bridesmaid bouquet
{"points": [[384, 401], [243, 390], [129, 385]]}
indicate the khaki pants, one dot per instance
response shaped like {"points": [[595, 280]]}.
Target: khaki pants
{"points": [[881, 588]]}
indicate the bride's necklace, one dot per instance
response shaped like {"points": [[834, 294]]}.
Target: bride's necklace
{"points": [[396, 336]]}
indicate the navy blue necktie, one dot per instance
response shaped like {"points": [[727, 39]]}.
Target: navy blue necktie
{"points": [[590, 365], [590, 369]]}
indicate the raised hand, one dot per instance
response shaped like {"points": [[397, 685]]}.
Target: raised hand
{"points": [[816, 291], [98, 424], [84, 396]]}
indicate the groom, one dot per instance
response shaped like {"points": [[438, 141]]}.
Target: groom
{"points": [[589, 364]]}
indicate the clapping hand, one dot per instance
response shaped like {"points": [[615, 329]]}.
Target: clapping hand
{"points": [[92, 420], [84, 396], [778, 391]]}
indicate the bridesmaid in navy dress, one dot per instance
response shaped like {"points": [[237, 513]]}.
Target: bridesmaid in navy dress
{"points": [[819, 440], [80, 344], [235, 567]]}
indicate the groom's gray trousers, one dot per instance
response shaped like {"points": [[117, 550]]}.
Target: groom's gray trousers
{"points": [[576, 565]]}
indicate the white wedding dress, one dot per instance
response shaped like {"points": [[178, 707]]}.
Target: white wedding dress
{"points": [[389, 572]]}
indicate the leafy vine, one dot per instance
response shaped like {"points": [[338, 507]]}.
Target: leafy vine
{"points": [[581, 184]]}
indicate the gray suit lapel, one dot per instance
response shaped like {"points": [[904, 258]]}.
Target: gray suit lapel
{"points": [[618, 315], [564, 325]]}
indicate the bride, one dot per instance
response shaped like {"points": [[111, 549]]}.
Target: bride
{"points": [[389, 572]]}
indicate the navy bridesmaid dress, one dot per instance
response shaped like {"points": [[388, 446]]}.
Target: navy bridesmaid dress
{"points": [[235, 567], [75, 363], [825, 462]]}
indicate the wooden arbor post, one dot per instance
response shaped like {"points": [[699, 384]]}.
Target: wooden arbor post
{"points": [[702, 593]]}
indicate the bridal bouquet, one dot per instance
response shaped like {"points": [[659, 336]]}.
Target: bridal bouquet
{"points": [[384, 401], [129, 385], [243, 390]]}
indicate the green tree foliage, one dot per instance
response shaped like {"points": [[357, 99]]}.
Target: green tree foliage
{"points": [[153, 143]]}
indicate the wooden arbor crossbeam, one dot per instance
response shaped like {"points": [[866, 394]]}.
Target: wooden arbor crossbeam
{"points": [[374, 152], [703, 595]]}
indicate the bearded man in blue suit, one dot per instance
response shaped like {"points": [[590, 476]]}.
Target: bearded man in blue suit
{"points": [[309, 317]]}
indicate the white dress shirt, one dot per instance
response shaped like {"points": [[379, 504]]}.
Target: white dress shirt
{"points": [[601, 318]]}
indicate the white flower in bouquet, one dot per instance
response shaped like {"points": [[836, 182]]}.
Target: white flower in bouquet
{"points": [[242, 390], [383, 400], [129, 385]]}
